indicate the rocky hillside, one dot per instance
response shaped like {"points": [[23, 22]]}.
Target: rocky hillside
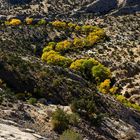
{"points": [[67, 77], [73, 8]]}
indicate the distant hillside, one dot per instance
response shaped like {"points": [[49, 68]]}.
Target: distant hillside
{"points": [[68, 7]]}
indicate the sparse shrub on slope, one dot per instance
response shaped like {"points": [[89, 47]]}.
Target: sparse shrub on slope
{"points": [[83, 106], [87, 28], [86, 108], [79, 42], [105, 87], [78, 28], [84, 66], [101, 73], [113, 90], [71, 26], [78, 65], [15, 22], [74, 119], [7, 23], [100, 32], [70, 135], [54, 58], [32, 101], [94, 37], [60, 120], [89, 35], [41, 22], [53, 44], [63, 46], [127, 103], [88, 64], [91, 39], [46, 54], [59, 24], [49, 47]]}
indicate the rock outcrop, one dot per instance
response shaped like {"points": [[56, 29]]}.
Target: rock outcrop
{"points": [[12, 132]]}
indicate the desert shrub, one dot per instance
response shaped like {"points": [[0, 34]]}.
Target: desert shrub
{"points": [[104, 87], [29, 21], [87, 28], [54, 58], [135, 106], [59, 24], [121, 98], [100, 33], [63, 46], [78, 28], [91, 39], [32, 101], [15, 22], [79, 42], [58, 60], [127, 103], [113, 90], [7, 23], [83, 106], [53, 44], [60, 120], [49, 47], [88, 64], [71, 25], [78, 65], [70, 135], [84, 66], [96, 28], [74, 119], [46, 54], [101, 73], [86, 108], [41, 22]]}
